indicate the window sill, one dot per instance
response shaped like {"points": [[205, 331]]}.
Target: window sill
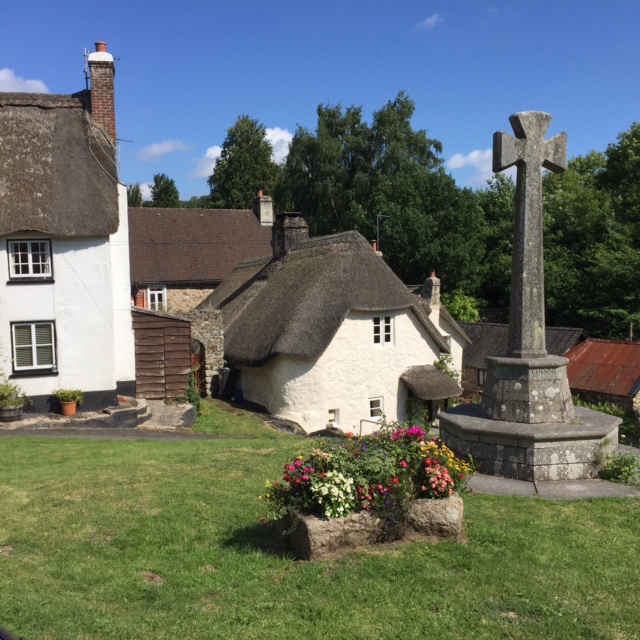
{"points": [[34, 373], [14, 281]]}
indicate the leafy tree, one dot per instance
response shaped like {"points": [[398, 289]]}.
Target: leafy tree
{"points": [[244, 166], [348, 171], [164, 192], [196, 202], [462, 307], [134, 195]]}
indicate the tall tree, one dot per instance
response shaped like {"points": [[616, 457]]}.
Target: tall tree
{"points": [[347, 172], [164, 192], [134, 195], [245, 165]]}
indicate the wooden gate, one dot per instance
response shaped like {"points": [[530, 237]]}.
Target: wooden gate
{"points": [[163, 354]]}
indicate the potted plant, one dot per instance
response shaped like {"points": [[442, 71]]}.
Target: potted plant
{"points": [[69, 400], [12, 401]]}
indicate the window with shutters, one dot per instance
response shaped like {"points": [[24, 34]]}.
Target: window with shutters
{"points": [[33, 346], [30, 259]]}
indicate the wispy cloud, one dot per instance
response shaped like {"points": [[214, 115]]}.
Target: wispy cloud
{"points": [[480, 160], [431, 21], [279, 139], [9, 81], [159, 149], [207, 162], [145, 189]]}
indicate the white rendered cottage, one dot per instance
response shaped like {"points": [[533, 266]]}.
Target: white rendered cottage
{"points": [[324, 331], [65, 315]]}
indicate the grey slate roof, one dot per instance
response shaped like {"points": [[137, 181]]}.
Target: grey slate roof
{"points": [[429, 383], [57, 168], [294, 306], [192, 245], [490, 339]]}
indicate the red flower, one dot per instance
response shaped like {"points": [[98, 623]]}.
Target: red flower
{"points": [[395, 480], [349, 435]]}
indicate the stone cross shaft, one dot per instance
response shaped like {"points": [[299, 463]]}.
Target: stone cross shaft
{"points": [[530, 152]]}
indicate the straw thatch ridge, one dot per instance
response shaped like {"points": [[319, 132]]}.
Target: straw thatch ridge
{"points": [[294, 306], [429, 383], [58, 171]]}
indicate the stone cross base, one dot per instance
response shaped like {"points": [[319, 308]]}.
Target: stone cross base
{"points": [[529, 390], [532, 452]]}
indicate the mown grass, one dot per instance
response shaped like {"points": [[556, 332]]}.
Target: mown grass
{"points": [[82, 521], [224, 419]]}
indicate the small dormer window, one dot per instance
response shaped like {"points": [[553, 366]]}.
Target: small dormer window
{"points": [[382, 331], [30, 259]]}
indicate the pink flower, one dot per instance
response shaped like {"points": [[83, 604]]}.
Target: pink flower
{"points": [[403, 464]]}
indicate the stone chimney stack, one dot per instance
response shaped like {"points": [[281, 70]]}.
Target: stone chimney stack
{"points": [[431, 290], [263, 208], [287, 230], [101, 103]]}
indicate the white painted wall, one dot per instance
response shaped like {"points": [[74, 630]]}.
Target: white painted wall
{"points": [[457, 344], [89, 301], [350, 372]]}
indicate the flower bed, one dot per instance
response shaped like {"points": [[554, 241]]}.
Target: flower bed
{"points": [[373, 489]]}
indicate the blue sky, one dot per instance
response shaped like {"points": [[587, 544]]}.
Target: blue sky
{"points": [[187, 69]]}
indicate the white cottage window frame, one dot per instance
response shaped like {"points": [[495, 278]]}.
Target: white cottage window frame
{"points": [[33, 346], [157, 297], [30, 259], [383, 331], [376, 408]]}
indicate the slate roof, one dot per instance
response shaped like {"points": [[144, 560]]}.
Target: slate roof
{"points": [[605, 366], [294, 306], [429, 383], [192, 245], [490, 339], [57, 168]]}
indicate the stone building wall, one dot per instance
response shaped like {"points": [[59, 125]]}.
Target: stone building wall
{"points": [[184, 300], [207, 327]]}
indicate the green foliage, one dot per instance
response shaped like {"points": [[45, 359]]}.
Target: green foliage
{"points": [[348, 171], [134, 195], [462, 307], [445, 364], [191, 395], [68, 395], [244, 166], [164, 192], [11, 396], [623, 468], [196, 202], [628, 426]]}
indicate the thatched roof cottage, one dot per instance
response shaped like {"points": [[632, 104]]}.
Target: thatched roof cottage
{"points": [[65, 318], [324, 331]]}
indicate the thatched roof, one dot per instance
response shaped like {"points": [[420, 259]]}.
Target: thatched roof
{"points": [[192, 245], [57, 168], [294, 306], [429, 383], [490, 339]]}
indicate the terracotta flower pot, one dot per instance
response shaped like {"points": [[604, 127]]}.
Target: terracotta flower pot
{"points": [[68, 408]]}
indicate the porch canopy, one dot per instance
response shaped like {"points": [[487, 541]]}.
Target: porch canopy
{"points": [[429, 383]]}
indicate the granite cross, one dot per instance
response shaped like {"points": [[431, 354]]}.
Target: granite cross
{"points": [[530, 152]]}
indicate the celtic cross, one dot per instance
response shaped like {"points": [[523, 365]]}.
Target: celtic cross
{"points": [[530, 152]]}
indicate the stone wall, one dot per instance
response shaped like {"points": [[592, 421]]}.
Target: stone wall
{"points": [[184, 300], [207, 327]]}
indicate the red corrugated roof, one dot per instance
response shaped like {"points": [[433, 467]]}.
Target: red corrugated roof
{"points": [[605, 366]]}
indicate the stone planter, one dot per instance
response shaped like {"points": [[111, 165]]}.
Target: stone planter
{"points": [[315, 538]]}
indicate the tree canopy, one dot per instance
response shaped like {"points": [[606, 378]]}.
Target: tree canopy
{"points": [[134, 195], [245, 165], [164, 192]]}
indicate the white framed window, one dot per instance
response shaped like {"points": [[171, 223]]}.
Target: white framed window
{"points": [[482, 377], [376, 408], [382, 331], [157, 298], [334, 416], [33, 345], [29, 259]]}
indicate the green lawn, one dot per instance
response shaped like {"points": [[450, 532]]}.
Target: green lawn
{"points": [[82, 521]]}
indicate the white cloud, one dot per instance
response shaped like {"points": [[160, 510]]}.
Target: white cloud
{"points": [[207, 162], [145, 189], [431, 21], [159, 149], [279, 139], [10, 82], [481, 160]]}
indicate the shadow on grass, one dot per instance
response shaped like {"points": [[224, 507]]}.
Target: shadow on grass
{"points": [[266, 538]]}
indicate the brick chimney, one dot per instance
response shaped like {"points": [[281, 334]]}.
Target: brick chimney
{"points": [[287, 230], [263, 208], [101, 100]]}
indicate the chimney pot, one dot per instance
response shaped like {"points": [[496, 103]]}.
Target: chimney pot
{"points": [[374, 245], [101, 47], [259, 193]]}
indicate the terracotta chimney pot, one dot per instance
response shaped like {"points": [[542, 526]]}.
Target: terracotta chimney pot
{"points": [[101, 47]]}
